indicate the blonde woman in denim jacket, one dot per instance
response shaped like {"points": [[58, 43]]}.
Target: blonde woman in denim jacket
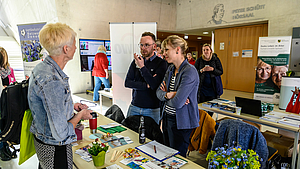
{"points": [[50, 100], [179, 93]]}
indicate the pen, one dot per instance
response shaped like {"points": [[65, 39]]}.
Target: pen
{"points": [[154, 147]]}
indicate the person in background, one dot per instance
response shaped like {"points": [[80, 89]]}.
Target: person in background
{"points": [[209, 66], [263, 71], [143, 77], [277, 73], [6, 73], [50, 100], [158, 48], [179, 92], [100, 71], [190, 58]]}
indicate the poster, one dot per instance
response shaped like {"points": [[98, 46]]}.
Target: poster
{"points": [[32, 51], [247, 53], [272, 65]]}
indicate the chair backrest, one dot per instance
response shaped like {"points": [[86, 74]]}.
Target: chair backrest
{"points": [[244, 134], [115, 113], [152, 128]]}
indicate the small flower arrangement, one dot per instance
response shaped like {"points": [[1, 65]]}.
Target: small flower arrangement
{"points": [[96, 148], [232, 158]]}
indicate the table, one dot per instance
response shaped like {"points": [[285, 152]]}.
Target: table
{"points": [[80, 163], [106, 94], [256, 119]]}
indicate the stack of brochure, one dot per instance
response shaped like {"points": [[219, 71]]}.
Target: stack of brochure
{"points": [[273, 116], [283, 118], [293, 116], [291, 122], [223, 104]]}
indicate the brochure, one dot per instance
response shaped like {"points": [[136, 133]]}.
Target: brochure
{"points": [[119, 142], [83, 152], [277, 115], [110, 125], [144, 163], [290, 122], [272, 119]]}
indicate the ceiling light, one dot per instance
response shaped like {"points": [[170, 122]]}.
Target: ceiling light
{"points": [[205, 33], [186, 36], [199, 37]]}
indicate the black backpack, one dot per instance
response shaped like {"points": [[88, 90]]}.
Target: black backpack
{"points": [[13, 103]]}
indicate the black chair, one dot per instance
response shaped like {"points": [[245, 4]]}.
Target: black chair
{"points": [[115, 113], [152, 128]]}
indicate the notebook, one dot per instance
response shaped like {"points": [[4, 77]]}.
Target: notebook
{"points": [[157, 151], [249, 106]]}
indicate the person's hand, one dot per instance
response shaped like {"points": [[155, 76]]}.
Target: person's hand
{"points": [[296, 90], [163, 86], [187, 101], [139, 60], [171, 95], [78, 106], [208, 68], [86, 114]]}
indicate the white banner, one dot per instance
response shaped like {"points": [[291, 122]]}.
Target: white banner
{"points": [[125, 38]]}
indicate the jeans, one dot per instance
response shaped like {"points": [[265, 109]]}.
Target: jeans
{"points": [[98, 82], [174, 138], [153, 113]]}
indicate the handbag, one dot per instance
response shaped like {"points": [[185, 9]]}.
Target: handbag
{"points": [[27, 148], [219, 85], [293, 107]]}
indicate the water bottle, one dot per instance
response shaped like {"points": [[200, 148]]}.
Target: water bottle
{"points": [[142, 137]]}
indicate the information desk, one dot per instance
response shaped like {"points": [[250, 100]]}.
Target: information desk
{"points": [[82, 164], [256, 119]]}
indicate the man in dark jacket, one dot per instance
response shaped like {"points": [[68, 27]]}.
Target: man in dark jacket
{"points": [[144, 76]]}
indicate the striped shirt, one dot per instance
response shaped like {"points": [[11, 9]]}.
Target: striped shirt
{"points": [[168, 109]]}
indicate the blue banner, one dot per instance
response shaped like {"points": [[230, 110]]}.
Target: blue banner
{"points": [[32, 51]]}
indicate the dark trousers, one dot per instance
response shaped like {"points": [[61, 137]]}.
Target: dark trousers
{"points": [[173, 137]]}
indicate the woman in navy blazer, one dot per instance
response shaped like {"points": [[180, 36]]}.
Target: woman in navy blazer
{"points": [[178, 91]]}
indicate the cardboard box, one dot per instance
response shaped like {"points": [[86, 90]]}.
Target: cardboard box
{"points": [[283, 144]]}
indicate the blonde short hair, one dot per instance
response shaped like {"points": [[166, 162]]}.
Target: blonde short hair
{"points": [[54, 36], [102, 48], [3, 58], [175, 41]]}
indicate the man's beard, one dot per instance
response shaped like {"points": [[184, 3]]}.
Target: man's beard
{"points": [[147, 54]]}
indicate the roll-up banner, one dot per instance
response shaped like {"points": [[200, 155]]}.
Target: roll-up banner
{"points": [[32, 51], [272, 65], [124, 38]]}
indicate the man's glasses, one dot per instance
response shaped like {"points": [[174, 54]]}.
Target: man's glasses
{"points": [[145, 45]]}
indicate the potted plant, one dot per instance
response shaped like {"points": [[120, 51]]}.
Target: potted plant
{"points": [[98, 151], [233, 158]]}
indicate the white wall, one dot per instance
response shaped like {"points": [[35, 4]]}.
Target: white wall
{"points": [[281, 16], [90, 19]]}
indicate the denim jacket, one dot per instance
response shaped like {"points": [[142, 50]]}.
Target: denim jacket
{"points": [[50, 101], [186, 86]]}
